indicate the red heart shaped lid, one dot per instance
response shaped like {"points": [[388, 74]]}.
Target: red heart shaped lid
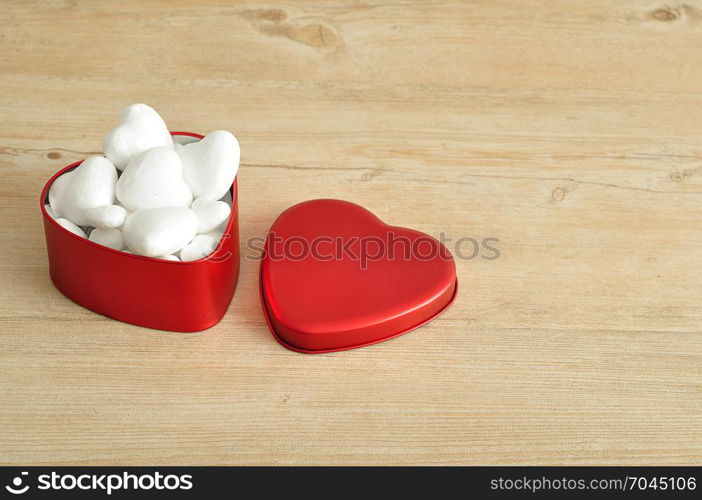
{"points": [[334, 276]]}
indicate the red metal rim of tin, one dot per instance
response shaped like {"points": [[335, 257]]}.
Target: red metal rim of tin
{"points": [[44, 199], [339, 349]]}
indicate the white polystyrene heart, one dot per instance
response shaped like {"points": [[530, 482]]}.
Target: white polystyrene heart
{"points": [[107, 237], [210, 165], [215, 234], [140, 128], [107, 216], [201, 246], [71, 227], [57, 193], [210, 213], [50, 211], [154, 179], [159, 231], [90, 185]]}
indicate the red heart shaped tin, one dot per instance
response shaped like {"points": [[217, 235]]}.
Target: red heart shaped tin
{"points": [[174, 296], [334, 277]]}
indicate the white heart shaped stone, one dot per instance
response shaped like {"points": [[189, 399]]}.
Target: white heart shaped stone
{"points": [[174, 258], [71, 227], [159, 231], [210, 213], [140, 128], [107, 237], [216, 233], [210, 165], [201, 246], [154, 179], [107, 216], [50, 211], [57, 190], [90, 185]]}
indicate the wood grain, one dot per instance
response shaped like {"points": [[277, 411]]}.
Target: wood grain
{"points": [[570, 130]]}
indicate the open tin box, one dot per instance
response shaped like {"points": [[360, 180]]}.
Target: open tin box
{"points": [[161, 294]]}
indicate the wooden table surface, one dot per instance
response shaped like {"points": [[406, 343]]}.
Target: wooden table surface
{"points": [[569, 130]]}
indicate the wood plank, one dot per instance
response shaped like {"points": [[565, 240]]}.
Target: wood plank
{"points": [[567, 130]]}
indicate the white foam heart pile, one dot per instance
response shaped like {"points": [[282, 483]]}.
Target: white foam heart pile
{"points": [[148, 195]]}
